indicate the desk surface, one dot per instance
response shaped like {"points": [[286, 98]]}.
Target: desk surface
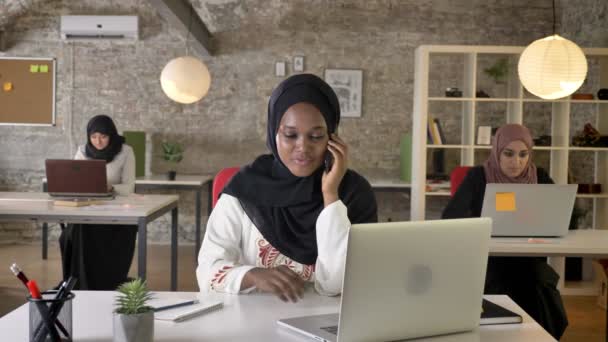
{"points": [[195, 180], [583, 243], [388, 183], [32, 204], [244, 318]]}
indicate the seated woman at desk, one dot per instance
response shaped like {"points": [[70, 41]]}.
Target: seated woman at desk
{"points": [[283, 220], [100, 255], [529, 281]]}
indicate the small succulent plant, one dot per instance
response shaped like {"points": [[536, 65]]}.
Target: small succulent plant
{"points": [[133, 298], [172, 152]]}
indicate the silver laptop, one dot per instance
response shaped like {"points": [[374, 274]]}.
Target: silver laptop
{"points": [[405, 280], [531, 210]]}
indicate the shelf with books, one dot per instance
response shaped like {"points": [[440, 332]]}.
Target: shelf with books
{"points": [[553, 122]]}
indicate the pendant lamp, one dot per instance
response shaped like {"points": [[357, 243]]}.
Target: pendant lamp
{"points": [[552, 67], [185, 79]]}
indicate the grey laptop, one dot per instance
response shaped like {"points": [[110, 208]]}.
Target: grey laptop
{"points": [[529, 210], [76, 178], [405, 280]]}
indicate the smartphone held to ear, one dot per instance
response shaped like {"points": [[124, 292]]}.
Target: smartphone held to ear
{"points": [[329, 161]]}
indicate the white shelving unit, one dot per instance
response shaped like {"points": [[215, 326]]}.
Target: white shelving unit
{"points": [[440, 66]]}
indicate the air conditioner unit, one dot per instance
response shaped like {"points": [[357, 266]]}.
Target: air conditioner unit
{"points": [[99, 26]]}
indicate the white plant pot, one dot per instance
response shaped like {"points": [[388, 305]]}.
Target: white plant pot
{"points": [[134, 328]]}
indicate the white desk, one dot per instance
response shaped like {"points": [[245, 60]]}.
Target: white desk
{"points": [[133, 210], [182, 182], [390, 185], [245, 318], [578, 243]]}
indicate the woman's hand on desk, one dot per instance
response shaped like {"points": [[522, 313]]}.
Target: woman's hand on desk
{"points": [[281, 281], [331, 180]]}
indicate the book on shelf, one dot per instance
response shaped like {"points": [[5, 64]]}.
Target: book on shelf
{"points": [[439, 131], [495, 314]]}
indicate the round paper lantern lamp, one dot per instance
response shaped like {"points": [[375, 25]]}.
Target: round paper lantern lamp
{"points": [[185, 79], [552, 67]]}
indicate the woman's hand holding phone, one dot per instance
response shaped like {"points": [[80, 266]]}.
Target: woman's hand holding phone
{"points": [[331, 179]]}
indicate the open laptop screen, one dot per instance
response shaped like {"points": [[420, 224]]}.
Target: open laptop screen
{"points": [[66, 177]]}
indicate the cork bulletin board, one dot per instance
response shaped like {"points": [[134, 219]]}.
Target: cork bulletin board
{"points": [[27, 91]]}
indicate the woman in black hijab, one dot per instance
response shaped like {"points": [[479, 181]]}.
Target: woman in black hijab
{"points": [[284, 219], [100, 255]]}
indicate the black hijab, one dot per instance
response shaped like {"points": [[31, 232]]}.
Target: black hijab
{"points": [[282, 206], [103, 124]]}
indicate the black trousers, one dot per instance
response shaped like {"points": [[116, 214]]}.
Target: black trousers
{"points": [[98, 255], [532, 284]]}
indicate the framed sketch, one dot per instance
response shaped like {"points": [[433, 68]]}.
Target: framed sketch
{"points": [[348, 85], [279, 69], [298, 63]]}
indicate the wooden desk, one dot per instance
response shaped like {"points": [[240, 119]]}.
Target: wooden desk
{"points": [[195, 183], [133, 210], [246, 318]]}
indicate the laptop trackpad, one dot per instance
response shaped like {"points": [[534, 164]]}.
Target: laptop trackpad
{"points": [[323, 327]]}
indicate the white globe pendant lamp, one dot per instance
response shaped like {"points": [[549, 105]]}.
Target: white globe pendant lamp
{"points": [[552, 67], [185, 79]]}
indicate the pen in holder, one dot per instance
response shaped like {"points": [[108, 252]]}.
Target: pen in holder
{"points": [[50, 318]]}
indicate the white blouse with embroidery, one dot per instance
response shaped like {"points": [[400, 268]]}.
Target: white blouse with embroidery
{"points": [[233, 245]]}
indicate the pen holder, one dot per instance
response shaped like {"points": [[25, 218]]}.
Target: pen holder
{"points": [[50, 318]]}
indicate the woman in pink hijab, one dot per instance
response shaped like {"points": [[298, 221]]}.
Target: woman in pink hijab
{"points": [[530, 282]]}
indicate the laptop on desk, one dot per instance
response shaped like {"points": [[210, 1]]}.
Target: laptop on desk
{"points": [[406, 280], [77, 178], [529, 210]]}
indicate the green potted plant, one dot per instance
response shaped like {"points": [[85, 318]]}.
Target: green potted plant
{"points": [[133, 318], [173, 153], [499, 70]]}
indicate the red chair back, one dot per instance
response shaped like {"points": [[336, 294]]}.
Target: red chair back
{"points": [[456, 177], [220, 181]]}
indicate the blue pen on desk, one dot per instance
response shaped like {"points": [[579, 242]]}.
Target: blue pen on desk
{"points": [[172, 306]]}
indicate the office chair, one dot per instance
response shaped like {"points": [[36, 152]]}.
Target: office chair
{"points": [[456, 177], [220, 181]]}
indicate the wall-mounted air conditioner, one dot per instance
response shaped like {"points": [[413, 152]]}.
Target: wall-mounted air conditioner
{"points": [[99, 26]]}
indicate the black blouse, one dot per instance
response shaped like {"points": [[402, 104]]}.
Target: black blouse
{"points": [[529, 281]]}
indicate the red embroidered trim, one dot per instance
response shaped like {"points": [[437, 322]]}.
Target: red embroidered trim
{"points": [[217, 282], [269, 257]]}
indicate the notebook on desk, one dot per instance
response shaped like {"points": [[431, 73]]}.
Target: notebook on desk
{"points": [[77, 178], [406, 280], [182, 313], [495, 314]]}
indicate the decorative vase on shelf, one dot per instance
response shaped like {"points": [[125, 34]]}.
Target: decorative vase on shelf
{"points": [[171, 175]]}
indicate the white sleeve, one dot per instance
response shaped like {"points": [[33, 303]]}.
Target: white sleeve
{"points": [[79, 155], [127, 177], [333, 226], [219, 266]]}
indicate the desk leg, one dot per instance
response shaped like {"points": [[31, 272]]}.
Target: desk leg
{"points": [[142, 242], [197, 243], [45, 240], [174, 249]]}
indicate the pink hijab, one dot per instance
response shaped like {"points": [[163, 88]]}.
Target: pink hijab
{"points": [[504, 136]]}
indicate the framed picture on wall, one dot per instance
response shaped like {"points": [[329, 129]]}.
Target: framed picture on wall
{"points": [[348, 85]]}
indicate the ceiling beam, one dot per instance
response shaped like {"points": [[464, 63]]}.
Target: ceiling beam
{"points": [[181, 15]]}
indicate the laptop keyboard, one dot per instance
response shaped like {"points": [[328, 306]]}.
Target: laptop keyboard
{"points": [[332, 330]]}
